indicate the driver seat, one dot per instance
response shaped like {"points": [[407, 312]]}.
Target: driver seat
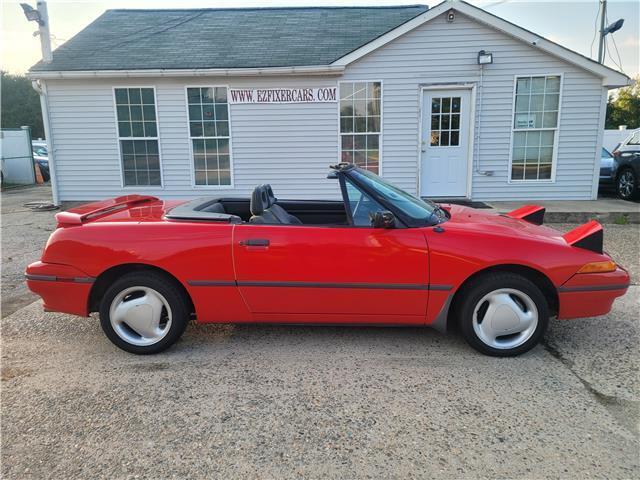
{"points": [[264, 209]]}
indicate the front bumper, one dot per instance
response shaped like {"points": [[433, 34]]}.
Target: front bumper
{"points": [[591, 294], [63, 288]]}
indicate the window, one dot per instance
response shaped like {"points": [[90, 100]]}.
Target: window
{"points": [[360, 121], [138, 136], [535, 126], [209, 132], [445, 121]]}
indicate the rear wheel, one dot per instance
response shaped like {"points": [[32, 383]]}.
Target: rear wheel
{"points": [[627, 184], [502, 314], [143, 313]]}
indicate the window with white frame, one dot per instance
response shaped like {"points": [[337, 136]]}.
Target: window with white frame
{"points": [[535, 127], [209, 132], [138, 136], [360, 123]]}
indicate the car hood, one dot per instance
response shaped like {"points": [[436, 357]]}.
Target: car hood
{"points": [[488, 221]]}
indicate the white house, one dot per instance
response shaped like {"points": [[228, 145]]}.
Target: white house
{"points": [[444, 102]]}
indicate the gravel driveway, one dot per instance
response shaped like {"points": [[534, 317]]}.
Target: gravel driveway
{"points": [[290, 402]]}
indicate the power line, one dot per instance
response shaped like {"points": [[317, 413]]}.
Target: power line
{"points": [[595, 30], [619, 65]]}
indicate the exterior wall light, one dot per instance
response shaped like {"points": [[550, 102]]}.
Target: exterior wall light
{"points": [[31, 13], [484, 57]]}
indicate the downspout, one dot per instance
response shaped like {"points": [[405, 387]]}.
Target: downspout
{"points": [[40, 87], [476, 143]]}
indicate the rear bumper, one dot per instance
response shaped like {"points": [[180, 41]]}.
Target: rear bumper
{"points": [[63, 288], [591, 294]]}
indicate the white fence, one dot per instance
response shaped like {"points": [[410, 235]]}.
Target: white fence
{"points": [[17, 157]]}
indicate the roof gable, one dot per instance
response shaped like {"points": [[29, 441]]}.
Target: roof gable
{"points": [[610, 77], [224, 38]]}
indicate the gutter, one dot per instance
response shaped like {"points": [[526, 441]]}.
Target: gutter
{"points": [[41, 88], [190, 72]]}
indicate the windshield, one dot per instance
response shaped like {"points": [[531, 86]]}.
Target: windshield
{"points": [[408, 204], [606, 154], [40, 151]]}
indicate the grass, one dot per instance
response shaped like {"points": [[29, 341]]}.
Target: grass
{"points": [[621, 220]]}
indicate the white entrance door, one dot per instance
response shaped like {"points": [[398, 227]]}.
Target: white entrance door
{"points": [[445, 153]]}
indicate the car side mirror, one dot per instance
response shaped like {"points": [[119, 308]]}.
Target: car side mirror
{"points": [[382, 219]]}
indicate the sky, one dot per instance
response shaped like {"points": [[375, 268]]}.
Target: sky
{"points": [[572, 23]]}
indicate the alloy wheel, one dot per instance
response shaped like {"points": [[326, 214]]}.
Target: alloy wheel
{"points": [[626, 184], [140, 316], [505, 318]]}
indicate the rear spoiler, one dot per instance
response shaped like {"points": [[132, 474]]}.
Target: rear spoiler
{"points": [[529, 213], [86, 212], [588, 236]]}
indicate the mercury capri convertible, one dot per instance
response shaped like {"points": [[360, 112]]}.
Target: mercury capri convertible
{"points": [[377, 257]]}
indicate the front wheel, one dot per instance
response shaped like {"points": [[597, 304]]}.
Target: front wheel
{"points": [[143, 313], [502, 314]]}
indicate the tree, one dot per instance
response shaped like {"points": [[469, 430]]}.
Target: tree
{"points": [[20, 104], [624, 109]]}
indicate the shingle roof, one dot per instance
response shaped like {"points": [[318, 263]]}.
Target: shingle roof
{"points": [[225, 38]]}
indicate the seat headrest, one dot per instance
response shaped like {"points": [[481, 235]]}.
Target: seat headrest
{"points": [[272, 197], [261, 200]]}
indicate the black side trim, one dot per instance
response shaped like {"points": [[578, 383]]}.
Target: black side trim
{"points": [[381, 286], [42, 278], [377, 286], [211, 283], [53, 278], [596, 288]]}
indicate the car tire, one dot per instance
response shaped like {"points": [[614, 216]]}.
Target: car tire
{"points": [[144, 313], [502, 314], [627, 184]]}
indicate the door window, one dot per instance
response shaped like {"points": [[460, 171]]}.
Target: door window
{"points": [[445, 121]]}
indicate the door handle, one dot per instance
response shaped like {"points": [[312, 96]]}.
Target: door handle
{"points": [[255, 242]]}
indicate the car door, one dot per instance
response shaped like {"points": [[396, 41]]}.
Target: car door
{"points": [[329, 274]]}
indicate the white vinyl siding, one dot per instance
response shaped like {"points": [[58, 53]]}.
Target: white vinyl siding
{"points": [[289, 146]]}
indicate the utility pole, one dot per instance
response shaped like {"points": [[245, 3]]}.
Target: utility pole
{"points": [[40, 15], [43, 29], [604, 31], [602, 46]]}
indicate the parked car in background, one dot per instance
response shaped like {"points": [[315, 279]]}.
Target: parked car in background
{"points": [[41, 157], [607, 181], [626, 167]]}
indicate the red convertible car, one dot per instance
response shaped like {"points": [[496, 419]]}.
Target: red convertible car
{"points": [[378, 257]]}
